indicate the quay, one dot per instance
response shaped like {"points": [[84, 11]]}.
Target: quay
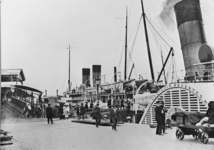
{"points": [[37, 134]]}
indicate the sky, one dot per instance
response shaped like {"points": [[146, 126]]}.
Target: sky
{"points": [[36, 35]]}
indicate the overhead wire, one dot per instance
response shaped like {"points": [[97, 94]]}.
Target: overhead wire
{"points": [[157, 32], [133, 44], [157, 16]]}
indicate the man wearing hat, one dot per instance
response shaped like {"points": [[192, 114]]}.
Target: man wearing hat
{"points": [[163, 109], [49, 114], [96, 114], [158, 118], [113, 116]]}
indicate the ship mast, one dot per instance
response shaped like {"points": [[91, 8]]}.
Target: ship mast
{"points": [[69, 87], [126, 45], [147, 42]]}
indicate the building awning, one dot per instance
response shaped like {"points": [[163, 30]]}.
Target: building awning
{"points": [[28, 88]]}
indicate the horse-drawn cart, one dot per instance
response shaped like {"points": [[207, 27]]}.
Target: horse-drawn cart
{"points": [[186, 125]]}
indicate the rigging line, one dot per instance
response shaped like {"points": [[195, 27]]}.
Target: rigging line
{"points": [[208, 16], [121, 57], [135, 71], [64, 80], [190, 4], [162, 43], [157, 16], [172, 79], [130, 9], [155, 37], [128, 60], [157, 32], [166, 35], [134, 41], [175, 67], [132, 48], [168, 72], [135, 29], [208, 25], [160, 50]]}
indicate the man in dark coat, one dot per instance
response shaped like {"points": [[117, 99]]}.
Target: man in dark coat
{"points": [[122, 103], [163, 116], [60, 111], [82, 111], [114, 116], [128, 109], [109, 103], [78, 112], [49, 113], [91, 105], [96, 115], [158, 118], [86, 109]]}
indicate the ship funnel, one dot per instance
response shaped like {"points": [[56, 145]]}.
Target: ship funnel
{"points": [[191, 32], [86, 76]]}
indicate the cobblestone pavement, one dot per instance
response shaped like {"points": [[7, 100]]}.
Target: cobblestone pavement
{"points": [[66, 135]]}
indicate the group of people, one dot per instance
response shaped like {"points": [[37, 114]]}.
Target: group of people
{"points": [[63, 111], [81, 111], [160, 111], [120, 103], [66, 111], [32, 111], [114, 113]]}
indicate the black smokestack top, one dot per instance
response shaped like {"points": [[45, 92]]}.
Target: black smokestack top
{"points": [[188, 10], [96, 68], [96, 73], [85, 71], [115, 74], [166, 14], [86, 76]]}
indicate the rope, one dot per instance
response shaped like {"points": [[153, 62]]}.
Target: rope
{"points": [[121, 57], [157, 31], [157, 16], [133, 44]]}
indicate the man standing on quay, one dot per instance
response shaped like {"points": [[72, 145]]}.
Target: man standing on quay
{"points": [[158, 118], [82, 111], [49, 113], [163, 117], [96, 114], [113, 116]]}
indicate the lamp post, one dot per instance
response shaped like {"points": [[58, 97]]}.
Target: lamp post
{"points": [[112, 87], [97, 81]]}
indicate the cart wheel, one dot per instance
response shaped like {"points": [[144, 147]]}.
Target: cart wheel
{"points": [[180, 134], [204, 138]]}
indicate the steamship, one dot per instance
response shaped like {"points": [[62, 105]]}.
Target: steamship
{"points": [[195, 91], [192, 93]]}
